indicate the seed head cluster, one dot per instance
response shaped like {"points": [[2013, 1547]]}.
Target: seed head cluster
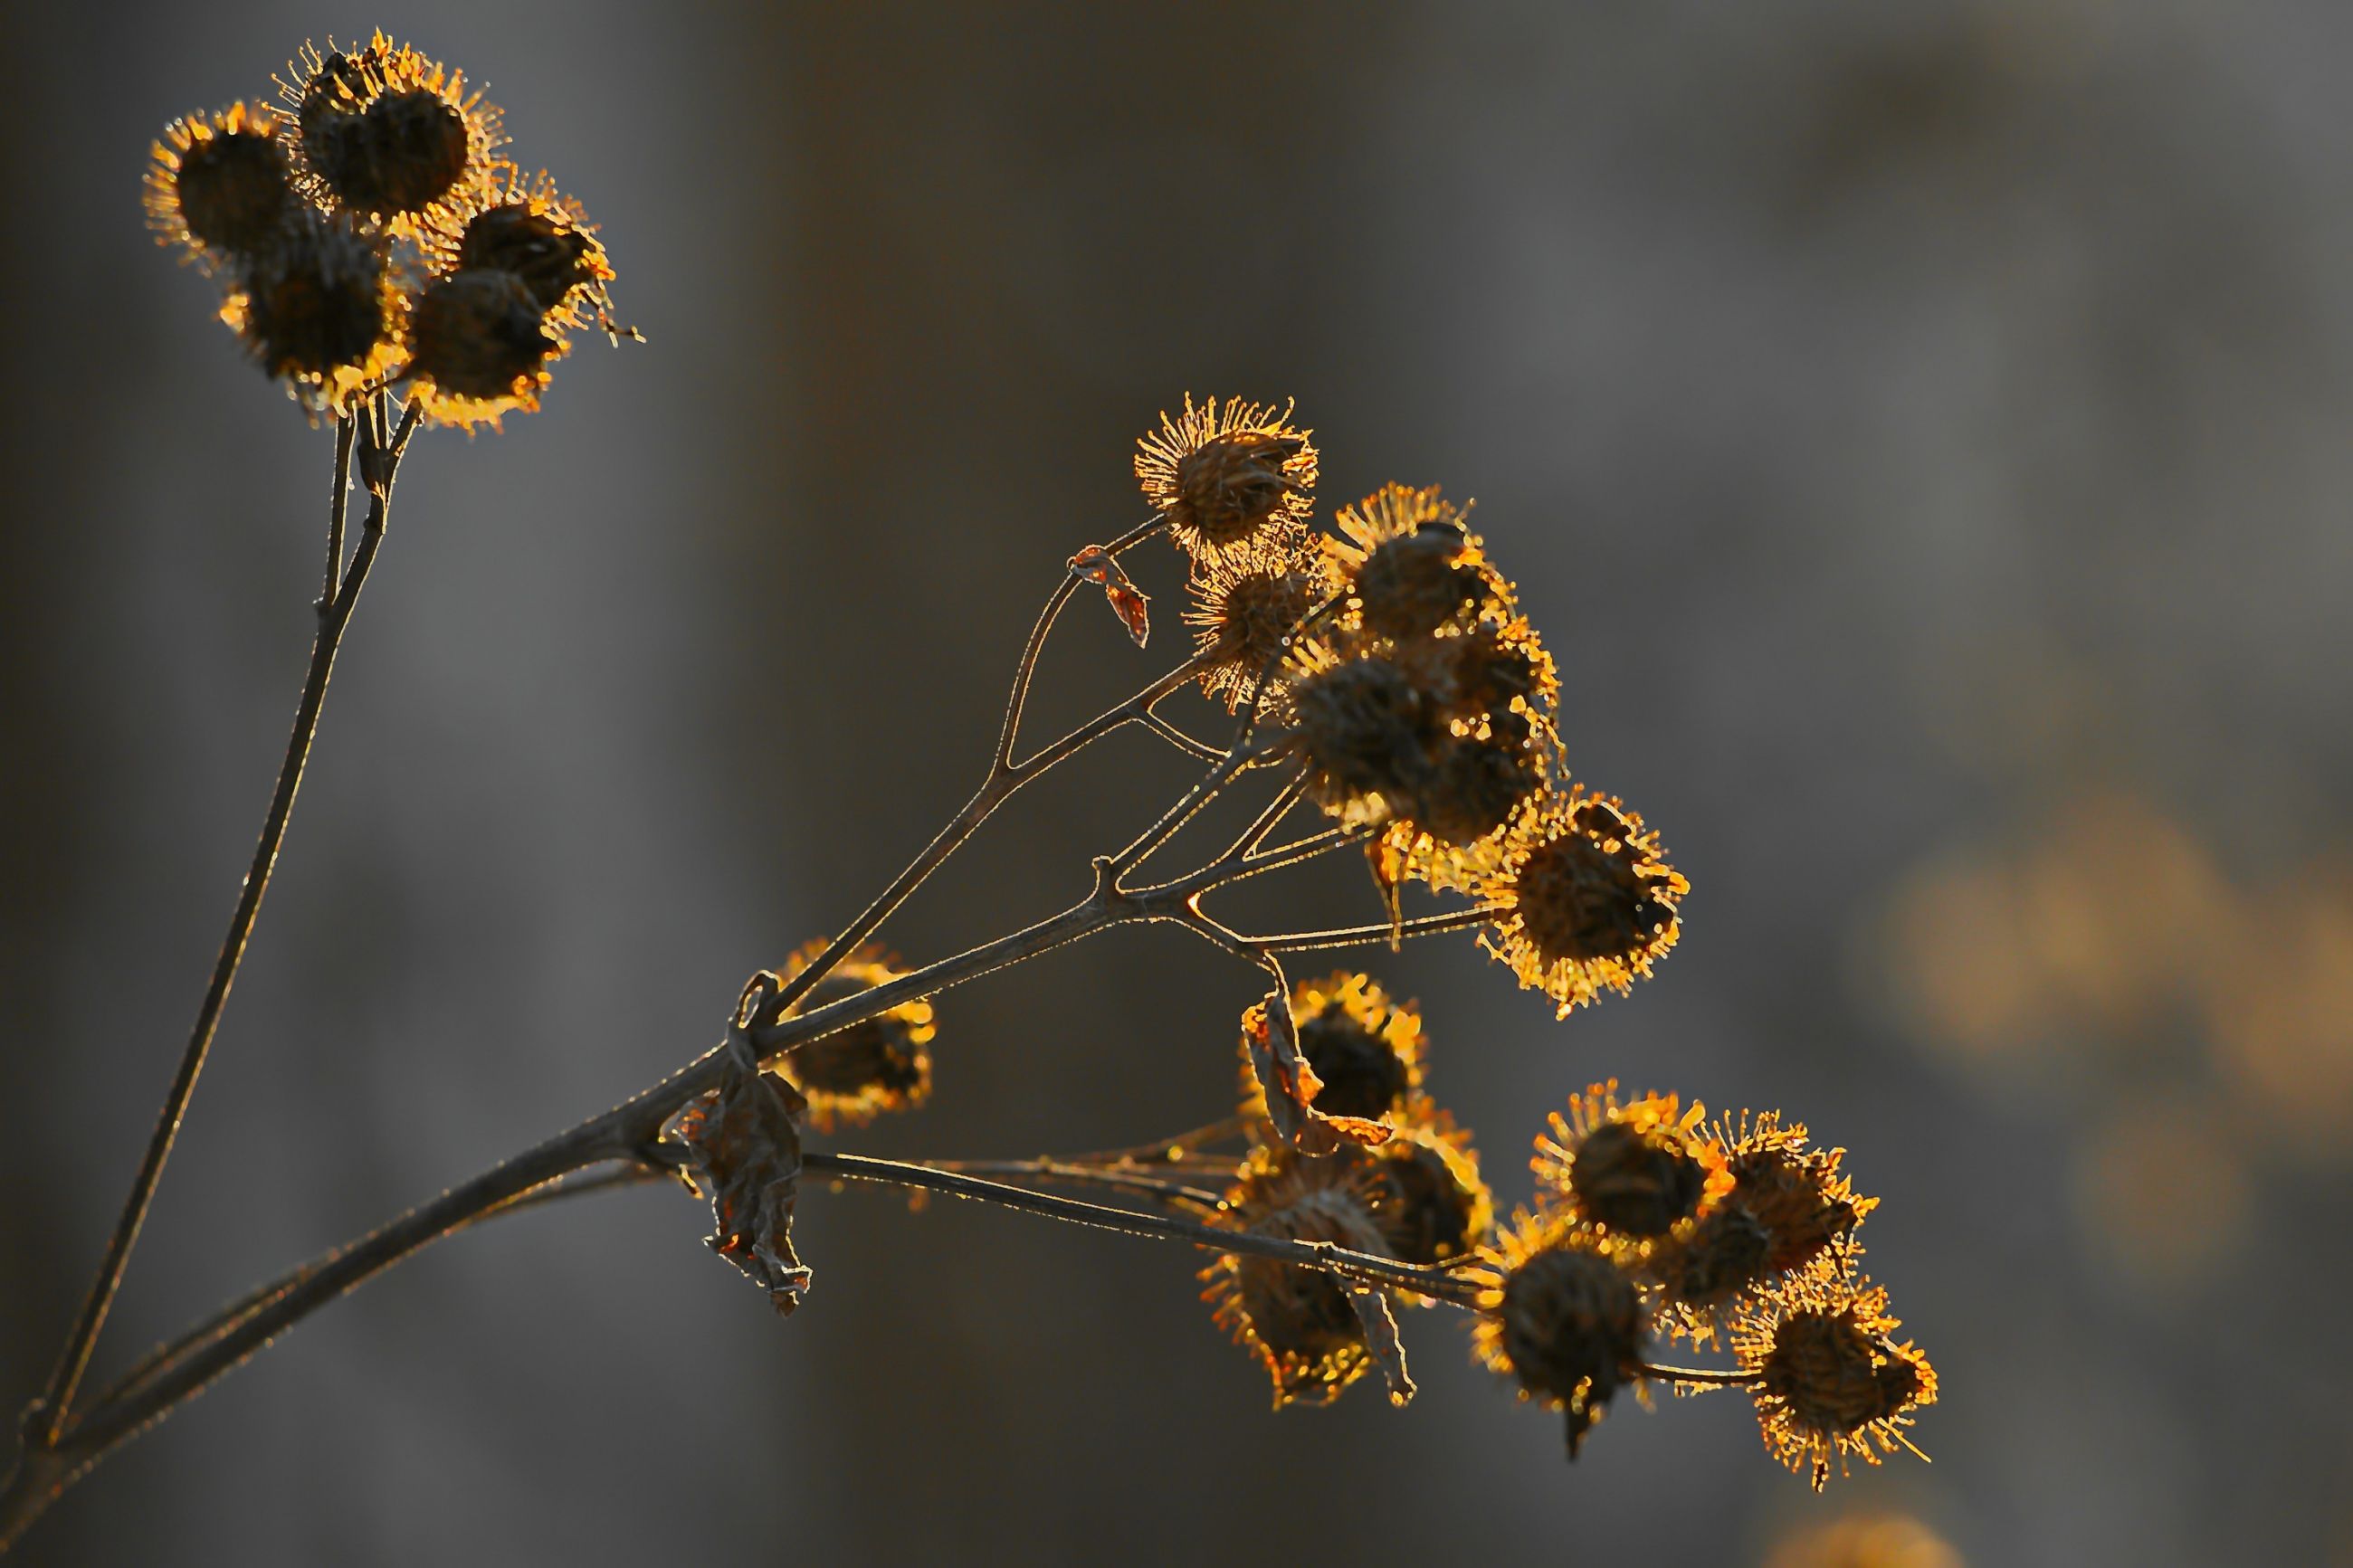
{"points": [[1734, 1225], [1391, 658], [370, 236], [1390, 664]]}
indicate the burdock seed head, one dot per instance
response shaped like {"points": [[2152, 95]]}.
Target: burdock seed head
{"points": [[390, 134], [1497, 667], [1829, 1380], [853, 1075], [321, 309], [1565, 1324], [479, 348], [1367, 731], [1246, 605], [1297, 1322], [220, 185], [530, 228], [1436, 1207], [1636, 1170], [1789, 1211], [1587, 902], [1411, 566], [1226, 474], [1483, 780], [1805, 1205]]}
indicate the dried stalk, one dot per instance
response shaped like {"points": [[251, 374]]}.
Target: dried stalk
{"points": [[337, 601]]}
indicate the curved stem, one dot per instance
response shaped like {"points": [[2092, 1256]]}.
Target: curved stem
{"points": [[50, 1411], [1006, 777]]}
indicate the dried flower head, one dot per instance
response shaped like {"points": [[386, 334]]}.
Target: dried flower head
{"points": [[1790, 1209], [1804, 1204], [1482, 782], [856, 1074], [220, 185], [1638, 1170], [1587, 903], [479, 348], [1411, 566], [535, 231], [390, 134], [1299, 1324], [1494, 668], [1226, 474], [1700, 1275], [1365, 1048], [1246, 606], [1830, 1379], [1366, 730], [1565, 1322], [321, 310], [1435, 1206]]}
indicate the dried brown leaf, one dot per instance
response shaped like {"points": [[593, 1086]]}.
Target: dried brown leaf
{"points": [[743, 1149], [1096, 564]]}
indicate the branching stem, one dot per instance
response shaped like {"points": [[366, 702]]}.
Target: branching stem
{"points": [[631, 1132]]}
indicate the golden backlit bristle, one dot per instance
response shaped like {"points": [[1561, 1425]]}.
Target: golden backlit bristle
{"points": [[219, 185], [1245, 605], [1633, 1172], [390, 134], [1831, 1382], [1587, 902], [1225, 474]]}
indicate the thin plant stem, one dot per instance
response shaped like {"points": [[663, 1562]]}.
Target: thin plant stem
{"points": [[1178, 738], [1076, 1174], [1376, 935], [338, 507], [48, 1415], [1437, 1282], [1699, 1377], [1262, 826]]}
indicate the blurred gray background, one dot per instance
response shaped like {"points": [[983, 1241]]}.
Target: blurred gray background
{"points": [[1918, 430]]}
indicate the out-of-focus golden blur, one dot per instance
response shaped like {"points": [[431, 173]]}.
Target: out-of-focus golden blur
{"points": [[1918, 432]]}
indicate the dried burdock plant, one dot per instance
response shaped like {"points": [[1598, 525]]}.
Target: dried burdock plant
{"points": [[1380, 696]]}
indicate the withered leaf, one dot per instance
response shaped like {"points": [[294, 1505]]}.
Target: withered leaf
{"points": [[744, 1149], [1290, 1085], [1096, 564], [1372, 1315]]}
